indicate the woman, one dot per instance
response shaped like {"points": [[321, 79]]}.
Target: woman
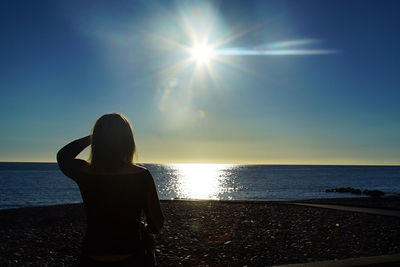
{"points": [[115, 192]]}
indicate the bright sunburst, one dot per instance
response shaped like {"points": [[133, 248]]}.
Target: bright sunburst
{"points": [[202, 53]]}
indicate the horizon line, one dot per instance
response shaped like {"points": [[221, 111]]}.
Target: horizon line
{"points": [[271, 164]]}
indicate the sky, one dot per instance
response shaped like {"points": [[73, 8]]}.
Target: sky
{"points": [[246, 82]]}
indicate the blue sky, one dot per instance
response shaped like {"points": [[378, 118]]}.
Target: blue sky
{"points": [[63, 64]]}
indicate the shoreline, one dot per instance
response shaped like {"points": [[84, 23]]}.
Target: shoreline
{"points": [[385, 202], [201, 232]]}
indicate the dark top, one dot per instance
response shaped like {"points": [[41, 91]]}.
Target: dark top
{"points": [[113, 203]]}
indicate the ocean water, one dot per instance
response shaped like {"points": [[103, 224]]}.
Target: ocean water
{"points": [[37, 184]]}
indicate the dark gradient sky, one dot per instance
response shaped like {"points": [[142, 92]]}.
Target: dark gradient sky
{"points": [[65, 63]]}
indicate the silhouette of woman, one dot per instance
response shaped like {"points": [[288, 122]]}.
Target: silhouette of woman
{"points": [[115, 192]]}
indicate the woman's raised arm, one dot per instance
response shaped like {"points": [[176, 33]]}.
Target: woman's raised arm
{"points": [[66, 157]]}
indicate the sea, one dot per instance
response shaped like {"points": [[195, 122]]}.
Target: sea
{"points": [[39, 184]]}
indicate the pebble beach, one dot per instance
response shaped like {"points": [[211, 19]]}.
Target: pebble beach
{"points": [[214, 233]]}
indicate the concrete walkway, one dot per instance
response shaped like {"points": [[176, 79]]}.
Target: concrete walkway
{"points": [[385, 212], [385, 260]]}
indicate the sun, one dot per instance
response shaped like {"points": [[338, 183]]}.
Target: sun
{"points": [[202, 53]]}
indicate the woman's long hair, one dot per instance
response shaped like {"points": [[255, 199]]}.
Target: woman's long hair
{"points": [[113, 144]]}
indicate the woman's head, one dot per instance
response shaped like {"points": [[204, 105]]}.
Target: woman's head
{"points": [[113, 144]]}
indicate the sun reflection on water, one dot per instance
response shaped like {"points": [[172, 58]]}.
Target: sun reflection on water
{"points": [[200, 181]]}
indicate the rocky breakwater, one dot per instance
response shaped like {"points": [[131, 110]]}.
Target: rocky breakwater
{"points": [[356, 191]]}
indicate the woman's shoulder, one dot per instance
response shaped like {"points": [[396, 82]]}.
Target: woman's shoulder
{"points": [[135, 169], [128, 169], [138, 174]]}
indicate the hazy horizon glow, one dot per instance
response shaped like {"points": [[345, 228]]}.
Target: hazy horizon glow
{"points": [[252, 82]]}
